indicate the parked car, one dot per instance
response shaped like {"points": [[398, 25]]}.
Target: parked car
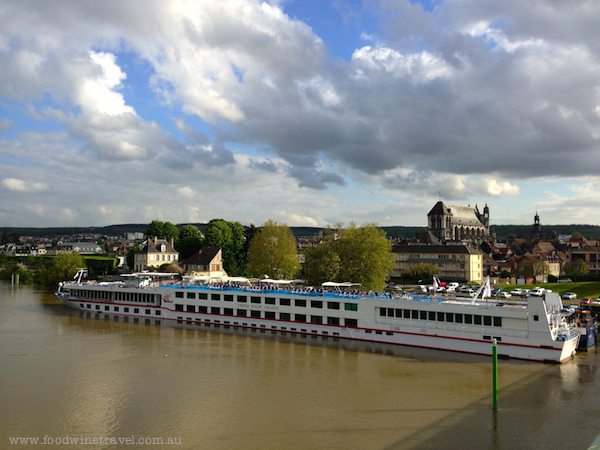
{"points": [[537, 291], [565, 280], [503, 294], [569, 296], [495, 291], [586, 301], [516, 292]]}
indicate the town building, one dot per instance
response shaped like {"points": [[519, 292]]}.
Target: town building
{"points": [[458, 223], [456, 262], [154, 253], [208, 261]]}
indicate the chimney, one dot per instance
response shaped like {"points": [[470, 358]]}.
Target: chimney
{"points": [[171, 242], [155, 239]]}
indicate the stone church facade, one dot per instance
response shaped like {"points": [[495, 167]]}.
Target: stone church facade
{"points": [[459, 223]]}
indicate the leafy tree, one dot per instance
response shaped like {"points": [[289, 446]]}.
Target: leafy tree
{"points": [[162, 230], [575, 268], [272, 252], [61, 268], [229, 237], [505, 274], [188, 246], [420, 271], [321, 264], [357, 254], [130, 258], [190, 231], [576, 235], [533, 269]]}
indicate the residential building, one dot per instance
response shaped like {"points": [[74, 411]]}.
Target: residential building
{"points": [[208, 261], [154, 253], [590, 253], [457, 262]]}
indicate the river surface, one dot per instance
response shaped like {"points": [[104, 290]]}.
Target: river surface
{"points": [[67, 375]]}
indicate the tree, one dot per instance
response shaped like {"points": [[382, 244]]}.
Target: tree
{"points": [[357, 254], [130, 258], [272, 252], [575, 268], [61, 268], [162, 230], [533, 269], [321, 263], [229, 237], [190, 231], [420, 271]]}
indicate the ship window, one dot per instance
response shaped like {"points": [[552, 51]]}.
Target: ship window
{"points": [[300, 317], [228, 311], [468, 318], [414, 314], [242, 299], [255, 314], [241, 312], [378, 332], [351, 322], [383, 312], [391, 312], [431, 315], [179, 294], [536, 318], [191, 308], [368, 331], [487, 321], [351, 306], [497, 321], [458, 318], [316, 304], [97, 306], [477, 320], [398, 313], [300, 303], [136, 310], [285, 316], [157, 312], [203, 296], [269, 300], [316, 319], [106, 308], [202, 309], [147, 311], [255, 299], [389, 333], [89, 306], [178, 307], [423, 315], [407, 313], [449, 317], [126, 309], [333, 305], [269, 315], [116, 309], [215, 310], [285, 302], [440, 317], [215, 297], [191, 295], [228, 297], [333, 320]]}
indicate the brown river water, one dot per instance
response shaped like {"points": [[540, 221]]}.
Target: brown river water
{"points": [[108, 382]]}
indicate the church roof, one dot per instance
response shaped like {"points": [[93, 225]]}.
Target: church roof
{"points": [[461, 215]]}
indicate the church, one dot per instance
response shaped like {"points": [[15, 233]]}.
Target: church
{"points": [[458, 223]]}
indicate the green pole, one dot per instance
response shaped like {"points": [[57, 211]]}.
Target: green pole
{"points": [[495, 376], [17, 279]]}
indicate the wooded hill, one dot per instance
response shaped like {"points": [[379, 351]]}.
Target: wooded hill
{"points": [[502, 231]]}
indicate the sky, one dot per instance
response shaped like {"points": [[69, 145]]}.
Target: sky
{"points": [[305, 112]]}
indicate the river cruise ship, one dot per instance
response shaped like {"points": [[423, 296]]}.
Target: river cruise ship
{"points": [[539, 329]]}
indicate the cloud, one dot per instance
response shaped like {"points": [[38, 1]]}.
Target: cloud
{"points": [[186, 192], [14, 184]]}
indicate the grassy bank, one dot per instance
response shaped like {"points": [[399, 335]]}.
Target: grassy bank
{"points": [[582, 289]]}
